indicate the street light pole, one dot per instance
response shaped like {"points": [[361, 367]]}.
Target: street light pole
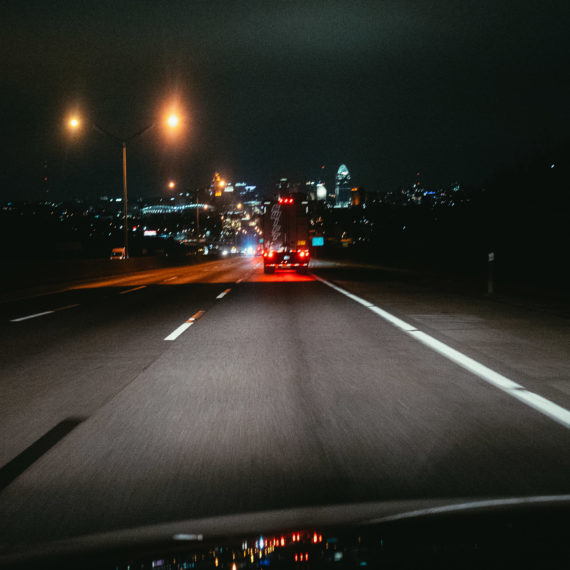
{"points": [[197, 216], [125, 204]]}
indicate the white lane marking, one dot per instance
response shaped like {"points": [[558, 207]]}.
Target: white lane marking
{"points": [[239, 280], [223, 294], [50, 312], [539, 403], [133, 289], [391, 318], [67, 307], [484, 504], [184, 326], [176, 333], [349, 295], [473, 366], [19, 319]]}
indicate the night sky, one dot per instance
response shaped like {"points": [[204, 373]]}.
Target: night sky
{"points": [[272, 89]]}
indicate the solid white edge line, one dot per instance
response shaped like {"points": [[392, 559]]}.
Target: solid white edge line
{"points": [[473, 366], [394, 320], [539, 403], [344, 292], [19, 319], [176, 333]]}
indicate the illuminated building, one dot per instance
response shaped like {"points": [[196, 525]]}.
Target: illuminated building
{"points": [[343, 188]]}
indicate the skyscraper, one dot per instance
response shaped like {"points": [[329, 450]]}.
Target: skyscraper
{"points": [[342, 187]]}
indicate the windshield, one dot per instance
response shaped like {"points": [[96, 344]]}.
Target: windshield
{"points": [[261, 256]]}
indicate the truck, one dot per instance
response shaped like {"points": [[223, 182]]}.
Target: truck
{"points": [[286, 234]]}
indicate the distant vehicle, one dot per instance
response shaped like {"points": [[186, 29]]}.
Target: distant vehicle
{"points": [[286, 234], [118, 253], [228, 250]]}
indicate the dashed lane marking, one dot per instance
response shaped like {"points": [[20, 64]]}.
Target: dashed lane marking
{"points": [[223, 294], [20, 319], [133, 289], [50, 312], [184, 326]]}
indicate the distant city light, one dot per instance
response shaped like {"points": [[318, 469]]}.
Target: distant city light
{"points": [[171, 184]]}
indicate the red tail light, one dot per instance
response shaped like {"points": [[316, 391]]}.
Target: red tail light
{"points": [[270, 254]]}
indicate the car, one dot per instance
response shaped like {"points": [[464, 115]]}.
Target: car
{"points": [[118, 253]]}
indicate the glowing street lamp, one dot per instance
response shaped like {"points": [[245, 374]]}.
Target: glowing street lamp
{"points": [[172, 184], [74, 123], [173, 121]]}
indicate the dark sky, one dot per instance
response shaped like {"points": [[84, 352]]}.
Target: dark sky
{"points": [[452, 89]]}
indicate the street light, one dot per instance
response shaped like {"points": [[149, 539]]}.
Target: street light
{"points": [[171, 184], [172, 122]]}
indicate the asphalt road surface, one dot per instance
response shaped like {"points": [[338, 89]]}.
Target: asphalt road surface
{"points": [[215, 389]]}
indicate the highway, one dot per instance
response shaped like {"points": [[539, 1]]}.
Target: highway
{"points": [[215, 389]]}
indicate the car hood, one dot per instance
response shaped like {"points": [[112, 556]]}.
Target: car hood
{"points": [[232, 532]]}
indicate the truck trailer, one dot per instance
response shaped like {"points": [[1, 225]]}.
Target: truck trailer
{"points": [[286, 234]]}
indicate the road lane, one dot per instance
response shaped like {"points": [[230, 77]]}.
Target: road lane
{"points": [[539, 403], [286, 394], [520, 341], [68, 364]]}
